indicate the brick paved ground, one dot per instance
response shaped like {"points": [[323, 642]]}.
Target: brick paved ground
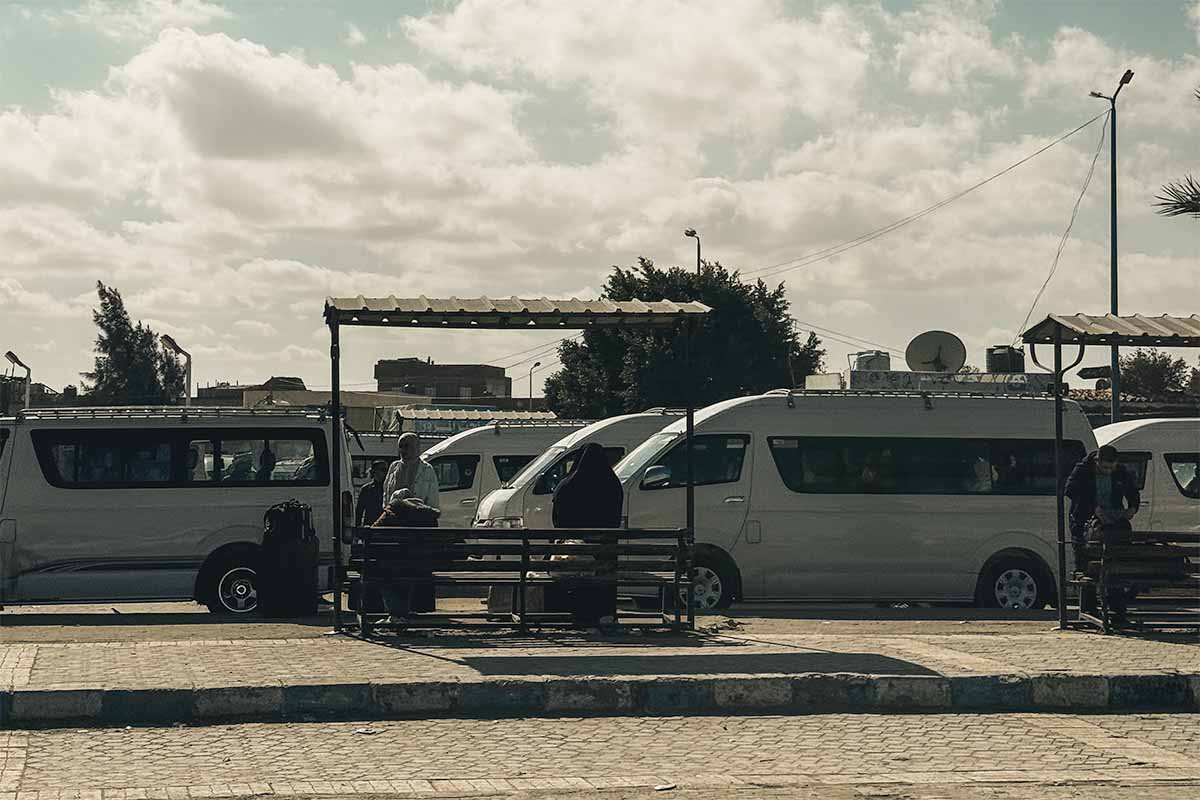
{"points": [[489, 757], [227, 662]]}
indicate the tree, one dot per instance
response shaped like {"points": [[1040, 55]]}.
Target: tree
{"points": [[1151, 373], [132, 366], [1180, 198], [748, 344], [1193, 387]]}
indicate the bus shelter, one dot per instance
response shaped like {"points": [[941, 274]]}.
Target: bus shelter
{"points": [[485, 314], [1082, 330]]}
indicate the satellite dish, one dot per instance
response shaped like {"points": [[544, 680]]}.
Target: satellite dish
{"points": [[936, 351]]}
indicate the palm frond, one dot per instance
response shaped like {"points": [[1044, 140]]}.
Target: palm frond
{"points": [[1180, 198]]}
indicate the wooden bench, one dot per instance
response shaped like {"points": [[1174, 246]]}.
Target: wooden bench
{"points": [[1160, 568], [521, 559]]}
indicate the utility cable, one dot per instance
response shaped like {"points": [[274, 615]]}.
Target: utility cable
{"points": [[829, 252], [1062, 243]]}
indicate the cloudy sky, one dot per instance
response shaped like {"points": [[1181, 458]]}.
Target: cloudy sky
{"points": [[227, 165]]}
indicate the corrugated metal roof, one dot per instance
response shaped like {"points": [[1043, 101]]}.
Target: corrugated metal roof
{"points": [[1135, 330], [514, 312]]}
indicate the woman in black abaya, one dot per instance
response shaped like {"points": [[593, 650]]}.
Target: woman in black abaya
{"points": [[591, 497]]}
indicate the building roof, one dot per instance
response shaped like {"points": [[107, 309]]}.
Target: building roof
{"points": [[1131, 331], [512, 313]]}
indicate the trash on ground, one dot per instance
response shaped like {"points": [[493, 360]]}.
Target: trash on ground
{"points": [[365, 731], [664, 787]]}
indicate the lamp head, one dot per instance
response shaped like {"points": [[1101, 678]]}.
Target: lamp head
{"points": [[12, 357], [690, 232], [171, 343], [536, 364], [1127, 77], [1097, 94]]}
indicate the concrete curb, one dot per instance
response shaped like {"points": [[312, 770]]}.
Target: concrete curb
{"points": [[642, 696]]}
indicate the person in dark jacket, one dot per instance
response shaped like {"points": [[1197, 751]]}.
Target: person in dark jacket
{"points": [[590, 497], [370, 497], [1104, 498]]}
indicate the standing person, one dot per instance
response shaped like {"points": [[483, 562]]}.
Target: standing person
{"points": [[412, 472], [415, 477], [1104, 498], [591, 497], [370, 497]]}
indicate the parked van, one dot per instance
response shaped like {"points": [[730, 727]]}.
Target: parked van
{"points": [[1164, 456], [473, 463], [527, 501], [840, 496], [114, 504]]}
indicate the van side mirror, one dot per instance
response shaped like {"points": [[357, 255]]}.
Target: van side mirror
{"points": [[657, 477]]}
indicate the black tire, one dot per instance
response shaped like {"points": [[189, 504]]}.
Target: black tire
{"points": [[1015, 583], [711, 571], [229, 584]]}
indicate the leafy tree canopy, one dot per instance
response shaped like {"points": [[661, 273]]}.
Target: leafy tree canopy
{"points": [[1152, 373], [748, 344], [132, 366]]}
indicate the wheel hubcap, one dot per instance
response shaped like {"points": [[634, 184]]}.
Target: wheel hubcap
{"points": [[1016, 589], [706, 589], [237, 590]]}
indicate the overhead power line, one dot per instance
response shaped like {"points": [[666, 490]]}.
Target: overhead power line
{"points": [[829, 252], [1062, 242]]}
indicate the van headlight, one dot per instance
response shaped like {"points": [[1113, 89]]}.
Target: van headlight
{"points": [[503, 522]]}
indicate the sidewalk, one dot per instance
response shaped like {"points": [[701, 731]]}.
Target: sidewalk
{"points": [[154, 680]]}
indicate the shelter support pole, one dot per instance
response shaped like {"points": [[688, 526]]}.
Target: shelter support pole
{"points": [[1058, 483], [335, 407], [690, 385]]}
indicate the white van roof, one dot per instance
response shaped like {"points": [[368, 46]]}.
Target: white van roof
{"points": [[839, 399], [644, 419], [1107, 434], [168, 414]]}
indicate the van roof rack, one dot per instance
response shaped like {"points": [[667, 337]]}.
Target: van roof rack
{"points": [[536, 423], [666, 410], [905, 393], [166, 412]]}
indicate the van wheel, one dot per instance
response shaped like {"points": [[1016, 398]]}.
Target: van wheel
{"points": [[713, 583], [231, 585], [1019, 584]]}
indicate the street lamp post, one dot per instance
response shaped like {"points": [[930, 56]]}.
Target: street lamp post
{"points": [[1115, 414], [536, 364], [187, 365], [691, 233], [16, 362]]}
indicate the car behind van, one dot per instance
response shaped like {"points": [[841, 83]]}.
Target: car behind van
{"points": [[832, 496], [471, 464], [527, 501], [117, 504], [1164, 456]]}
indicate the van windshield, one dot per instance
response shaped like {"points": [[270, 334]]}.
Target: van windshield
{"points": [[645, 453], [527, 475]]}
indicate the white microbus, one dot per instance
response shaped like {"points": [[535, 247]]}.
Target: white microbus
{"points": [[527, 501], [112, 504], [473, 463], [1164, 455], [840, 496]]}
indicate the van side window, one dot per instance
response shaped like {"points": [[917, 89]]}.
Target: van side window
{"points": [[3, 440], [715, 459], [113, 459], [455, 473], [1136, 463], [1185, 469], [552, 477], [868, 465], [181, 457], [507, 467]]}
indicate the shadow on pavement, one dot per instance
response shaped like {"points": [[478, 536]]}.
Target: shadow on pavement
{"points": [[708, 664], [885, 613]]}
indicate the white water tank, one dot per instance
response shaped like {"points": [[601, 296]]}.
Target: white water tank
{"points": [[873, 361]]}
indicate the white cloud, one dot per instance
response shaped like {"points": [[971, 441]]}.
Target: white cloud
{"points": [[141, 19], [672, 68], [946, 47], [253, 327], [354, 36]]}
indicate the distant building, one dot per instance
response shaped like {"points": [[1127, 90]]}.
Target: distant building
{"points": [[443, 382], [1097, 405], [232, 394]]}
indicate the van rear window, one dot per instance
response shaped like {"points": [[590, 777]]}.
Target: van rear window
{"points": [[867, 465], [183, 457]]}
